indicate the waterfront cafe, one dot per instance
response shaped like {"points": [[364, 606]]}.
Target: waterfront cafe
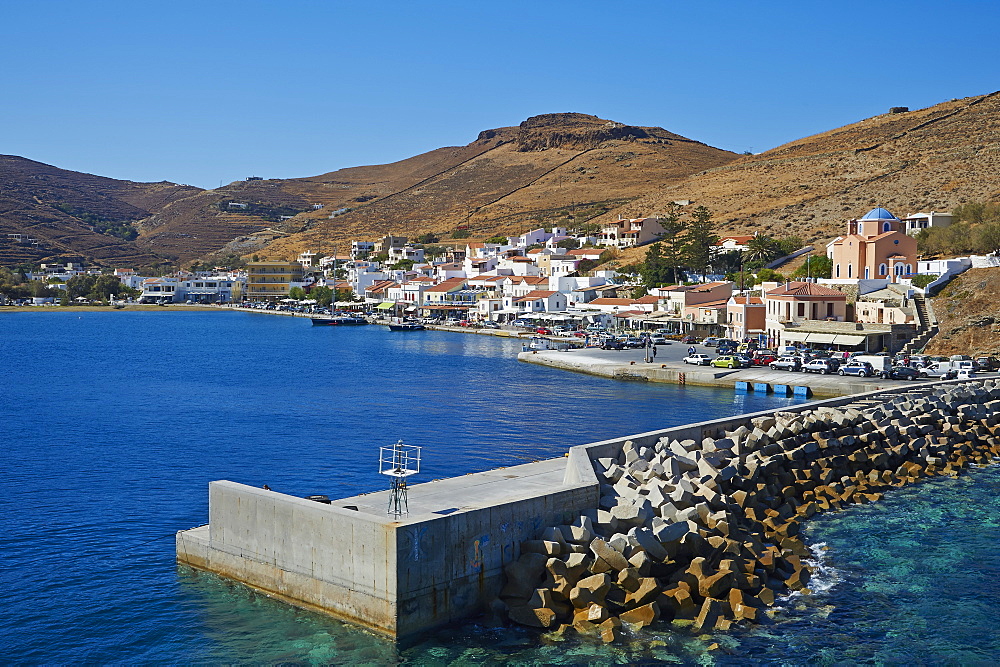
{"points": [[844, 336]]}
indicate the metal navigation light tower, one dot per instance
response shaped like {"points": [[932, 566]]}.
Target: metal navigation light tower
{"points": [[398, 461]]}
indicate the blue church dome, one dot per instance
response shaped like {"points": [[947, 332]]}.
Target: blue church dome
{"points": [[878, 214]]}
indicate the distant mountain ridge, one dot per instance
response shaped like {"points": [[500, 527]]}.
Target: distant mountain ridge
{"points": [[552, 169]]}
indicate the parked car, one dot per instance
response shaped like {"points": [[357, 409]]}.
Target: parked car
{"points": [[939, 370], [613, 344], [490, 325], [522, 323], [698, 359], [545, 331], [763, 358], [633, 342], [987, 363], [900, 373], [785, 364], [862, 369], [688, 340], [660, 340], [711, 341], [823, 366], [727, 361]]}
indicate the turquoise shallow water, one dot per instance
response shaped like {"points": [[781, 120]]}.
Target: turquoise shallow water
{"points": [[112, 424]]}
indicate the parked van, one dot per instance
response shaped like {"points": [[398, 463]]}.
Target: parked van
{"points": [[881, 364]]}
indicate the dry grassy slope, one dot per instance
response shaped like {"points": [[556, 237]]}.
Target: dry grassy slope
{"points": [[968, 313], [507, 181], [30, 190], [926, 159]]}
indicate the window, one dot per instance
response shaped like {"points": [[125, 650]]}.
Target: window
{"points": [[850, 270], [866, 273], [860, 228], [886, 227], [881, 269], [802, 310], [837, 271]]}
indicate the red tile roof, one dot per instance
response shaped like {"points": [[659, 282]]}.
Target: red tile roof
{"points": [[806, 289]]}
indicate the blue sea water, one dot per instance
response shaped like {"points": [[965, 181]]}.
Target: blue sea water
{"points": [[113, 423]]}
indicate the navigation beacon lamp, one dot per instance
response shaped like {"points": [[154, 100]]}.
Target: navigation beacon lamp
{"points": [[398, 461]]}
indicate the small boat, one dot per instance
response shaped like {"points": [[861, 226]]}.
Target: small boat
{"points": [[406, 325], [337, 319]]}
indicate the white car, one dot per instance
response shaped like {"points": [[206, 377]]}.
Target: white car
{"points": [[698, 359]]}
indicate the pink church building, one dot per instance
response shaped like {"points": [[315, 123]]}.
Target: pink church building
{"points": [[876, 247]]}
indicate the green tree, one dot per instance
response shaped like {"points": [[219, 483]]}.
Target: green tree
{"points": [[699, 239], [78, 286], [461, 234], [403, 264], [815, 266], [656, 270], [296, 293], [323, 295], [761, 249], [502, 240], [769, 275]]}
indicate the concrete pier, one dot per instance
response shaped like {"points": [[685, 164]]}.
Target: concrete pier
{"points": [[441, 562], [630, 365]]}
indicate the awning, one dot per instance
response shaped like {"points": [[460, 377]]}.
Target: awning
{"points": [[794, 335], [822, 338], [843, 339], [385, 305]]}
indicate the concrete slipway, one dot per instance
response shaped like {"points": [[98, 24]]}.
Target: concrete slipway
{"points": [[441, 562]]}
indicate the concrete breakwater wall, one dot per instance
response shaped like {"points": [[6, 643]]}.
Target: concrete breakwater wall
{"points": [[398, 576], [700, 524], [704, 526]]}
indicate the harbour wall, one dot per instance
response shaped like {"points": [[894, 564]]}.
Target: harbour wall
{"points": [[396, 577], [444, 561]]}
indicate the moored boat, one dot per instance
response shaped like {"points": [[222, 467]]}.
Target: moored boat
{"points": [[337, 319], [406, 325]]}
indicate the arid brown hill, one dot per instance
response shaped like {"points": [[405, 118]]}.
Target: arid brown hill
{"points": [[922, 160], [61, 210], [551, 169], [968, 315], [66, 210]]}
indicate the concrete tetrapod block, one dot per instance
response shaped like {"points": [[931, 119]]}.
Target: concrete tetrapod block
{"points": [[590, 590], [640, 617], [611, 556]]}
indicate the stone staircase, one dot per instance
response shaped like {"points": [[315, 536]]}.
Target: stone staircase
{"points": [[927, 326]]}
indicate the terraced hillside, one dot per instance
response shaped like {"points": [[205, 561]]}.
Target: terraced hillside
{"points": [[64, 211]]}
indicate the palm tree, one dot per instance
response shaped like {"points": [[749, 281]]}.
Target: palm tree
{"points": [[761, 249]]}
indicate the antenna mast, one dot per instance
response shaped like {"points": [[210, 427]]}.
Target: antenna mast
{"points": [[398, 461]]}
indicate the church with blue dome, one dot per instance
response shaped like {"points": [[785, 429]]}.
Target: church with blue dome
{"points": [[876, 247]]}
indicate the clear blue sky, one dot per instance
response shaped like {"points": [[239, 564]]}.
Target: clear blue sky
{"points": [[203, 92]]}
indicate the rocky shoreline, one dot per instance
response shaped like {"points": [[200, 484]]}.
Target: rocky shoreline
{"points": [[706, 533]]}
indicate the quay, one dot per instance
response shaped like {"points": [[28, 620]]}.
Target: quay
{"points": [[668, 368], [465, 541]]}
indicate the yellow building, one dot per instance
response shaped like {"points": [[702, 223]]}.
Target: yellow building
{"points": [[267, 281]]}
